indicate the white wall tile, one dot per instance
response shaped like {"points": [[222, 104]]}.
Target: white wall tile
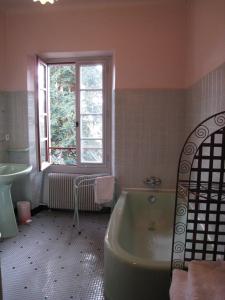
{"points": [[3, 126], [149, 135], [205, 98]]}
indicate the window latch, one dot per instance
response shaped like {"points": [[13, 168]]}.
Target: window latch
{"points": [[77, 124]]}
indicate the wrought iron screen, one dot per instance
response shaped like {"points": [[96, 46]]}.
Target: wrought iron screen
{"points": [[199, 224]]}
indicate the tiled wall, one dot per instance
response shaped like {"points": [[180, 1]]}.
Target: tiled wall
{"points": [[148, 135], [3, 127], [152, 125], [18, 123], [150, 129], [17, 111], [205, 98]]}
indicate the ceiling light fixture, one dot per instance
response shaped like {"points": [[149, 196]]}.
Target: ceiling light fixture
{"points": [[45, 1]]}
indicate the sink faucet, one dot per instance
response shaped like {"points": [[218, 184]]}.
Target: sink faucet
{"points": [[152, 181]]}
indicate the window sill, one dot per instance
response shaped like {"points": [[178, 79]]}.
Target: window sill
{"points": [[84, 169]]}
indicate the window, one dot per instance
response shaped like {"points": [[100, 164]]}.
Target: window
{"points": [[74, 113]]}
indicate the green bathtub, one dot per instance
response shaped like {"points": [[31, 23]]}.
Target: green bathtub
{"points": [[137, 246]]}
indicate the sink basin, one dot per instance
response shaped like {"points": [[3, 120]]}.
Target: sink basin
{"points": [[9, 172]]}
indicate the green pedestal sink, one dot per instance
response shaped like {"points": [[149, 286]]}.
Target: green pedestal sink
{"points": [[9, 172]]}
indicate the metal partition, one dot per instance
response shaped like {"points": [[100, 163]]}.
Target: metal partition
{"points": [[199, 221]]}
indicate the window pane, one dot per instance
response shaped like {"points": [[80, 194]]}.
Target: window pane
{"points": [[62, 105], [91, 156], [42, 76], [91, 76], [91, 102], [63, 156], [42, 127], [91, 126], [91, 144], [43, 148], [42, 102]]}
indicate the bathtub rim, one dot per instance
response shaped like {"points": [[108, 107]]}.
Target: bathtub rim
{"points": [[112, 236]]}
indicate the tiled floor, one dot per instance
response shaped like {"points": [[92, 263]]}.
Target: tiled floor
{"points": [[49, 260]]}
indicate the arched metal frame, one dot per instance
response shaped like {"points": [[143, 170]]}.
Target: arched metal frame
{"points": [[199, 219]]}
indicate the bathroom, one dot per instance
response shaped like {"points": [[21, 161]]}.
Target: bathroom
{"points": [[167, 74]]}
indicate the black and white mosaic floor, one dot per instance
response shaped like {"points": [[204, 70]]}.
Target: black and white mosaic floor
{"points": [[49, 260]]}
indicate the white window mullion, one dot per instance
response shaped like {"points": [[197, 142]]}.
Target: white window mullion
{"points": [[48, 116], [42, 110], [78, 129], [104, 113]]}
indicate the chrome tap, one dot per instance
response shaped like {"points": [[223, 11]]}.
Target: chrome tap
{"points": [[152, 181]]}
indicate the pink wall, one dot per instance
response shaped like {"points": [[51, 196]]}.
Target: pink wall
{"points": [[206, 37], [148, 41], [2, 48], [155, 45]]}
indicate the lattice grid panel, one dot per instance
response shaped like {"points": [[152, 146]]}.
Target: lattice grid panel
{"points": [[205, 229]]}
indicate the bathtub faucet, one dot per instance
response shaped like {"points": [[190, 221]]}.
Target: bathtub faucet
{"points": [[152, 181]]}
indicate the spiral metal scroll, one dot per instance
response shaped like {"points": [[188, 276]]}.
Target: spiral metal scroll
{"points": [[190, 148], [181, 209], [180, 228], [178, 247], [185, 167], [220, 120], [202, 132]]}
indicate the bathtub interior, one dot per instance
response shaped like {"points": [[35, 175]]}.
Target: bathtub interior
{"points": [[146, 227]]}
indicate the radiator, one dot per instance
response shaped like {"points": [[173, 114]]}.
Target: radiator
{"points": [[61, 193]]}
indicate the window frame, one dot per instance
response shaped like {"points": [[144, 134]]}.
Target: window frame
{"points": [[42, 163], [87, 168]]}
